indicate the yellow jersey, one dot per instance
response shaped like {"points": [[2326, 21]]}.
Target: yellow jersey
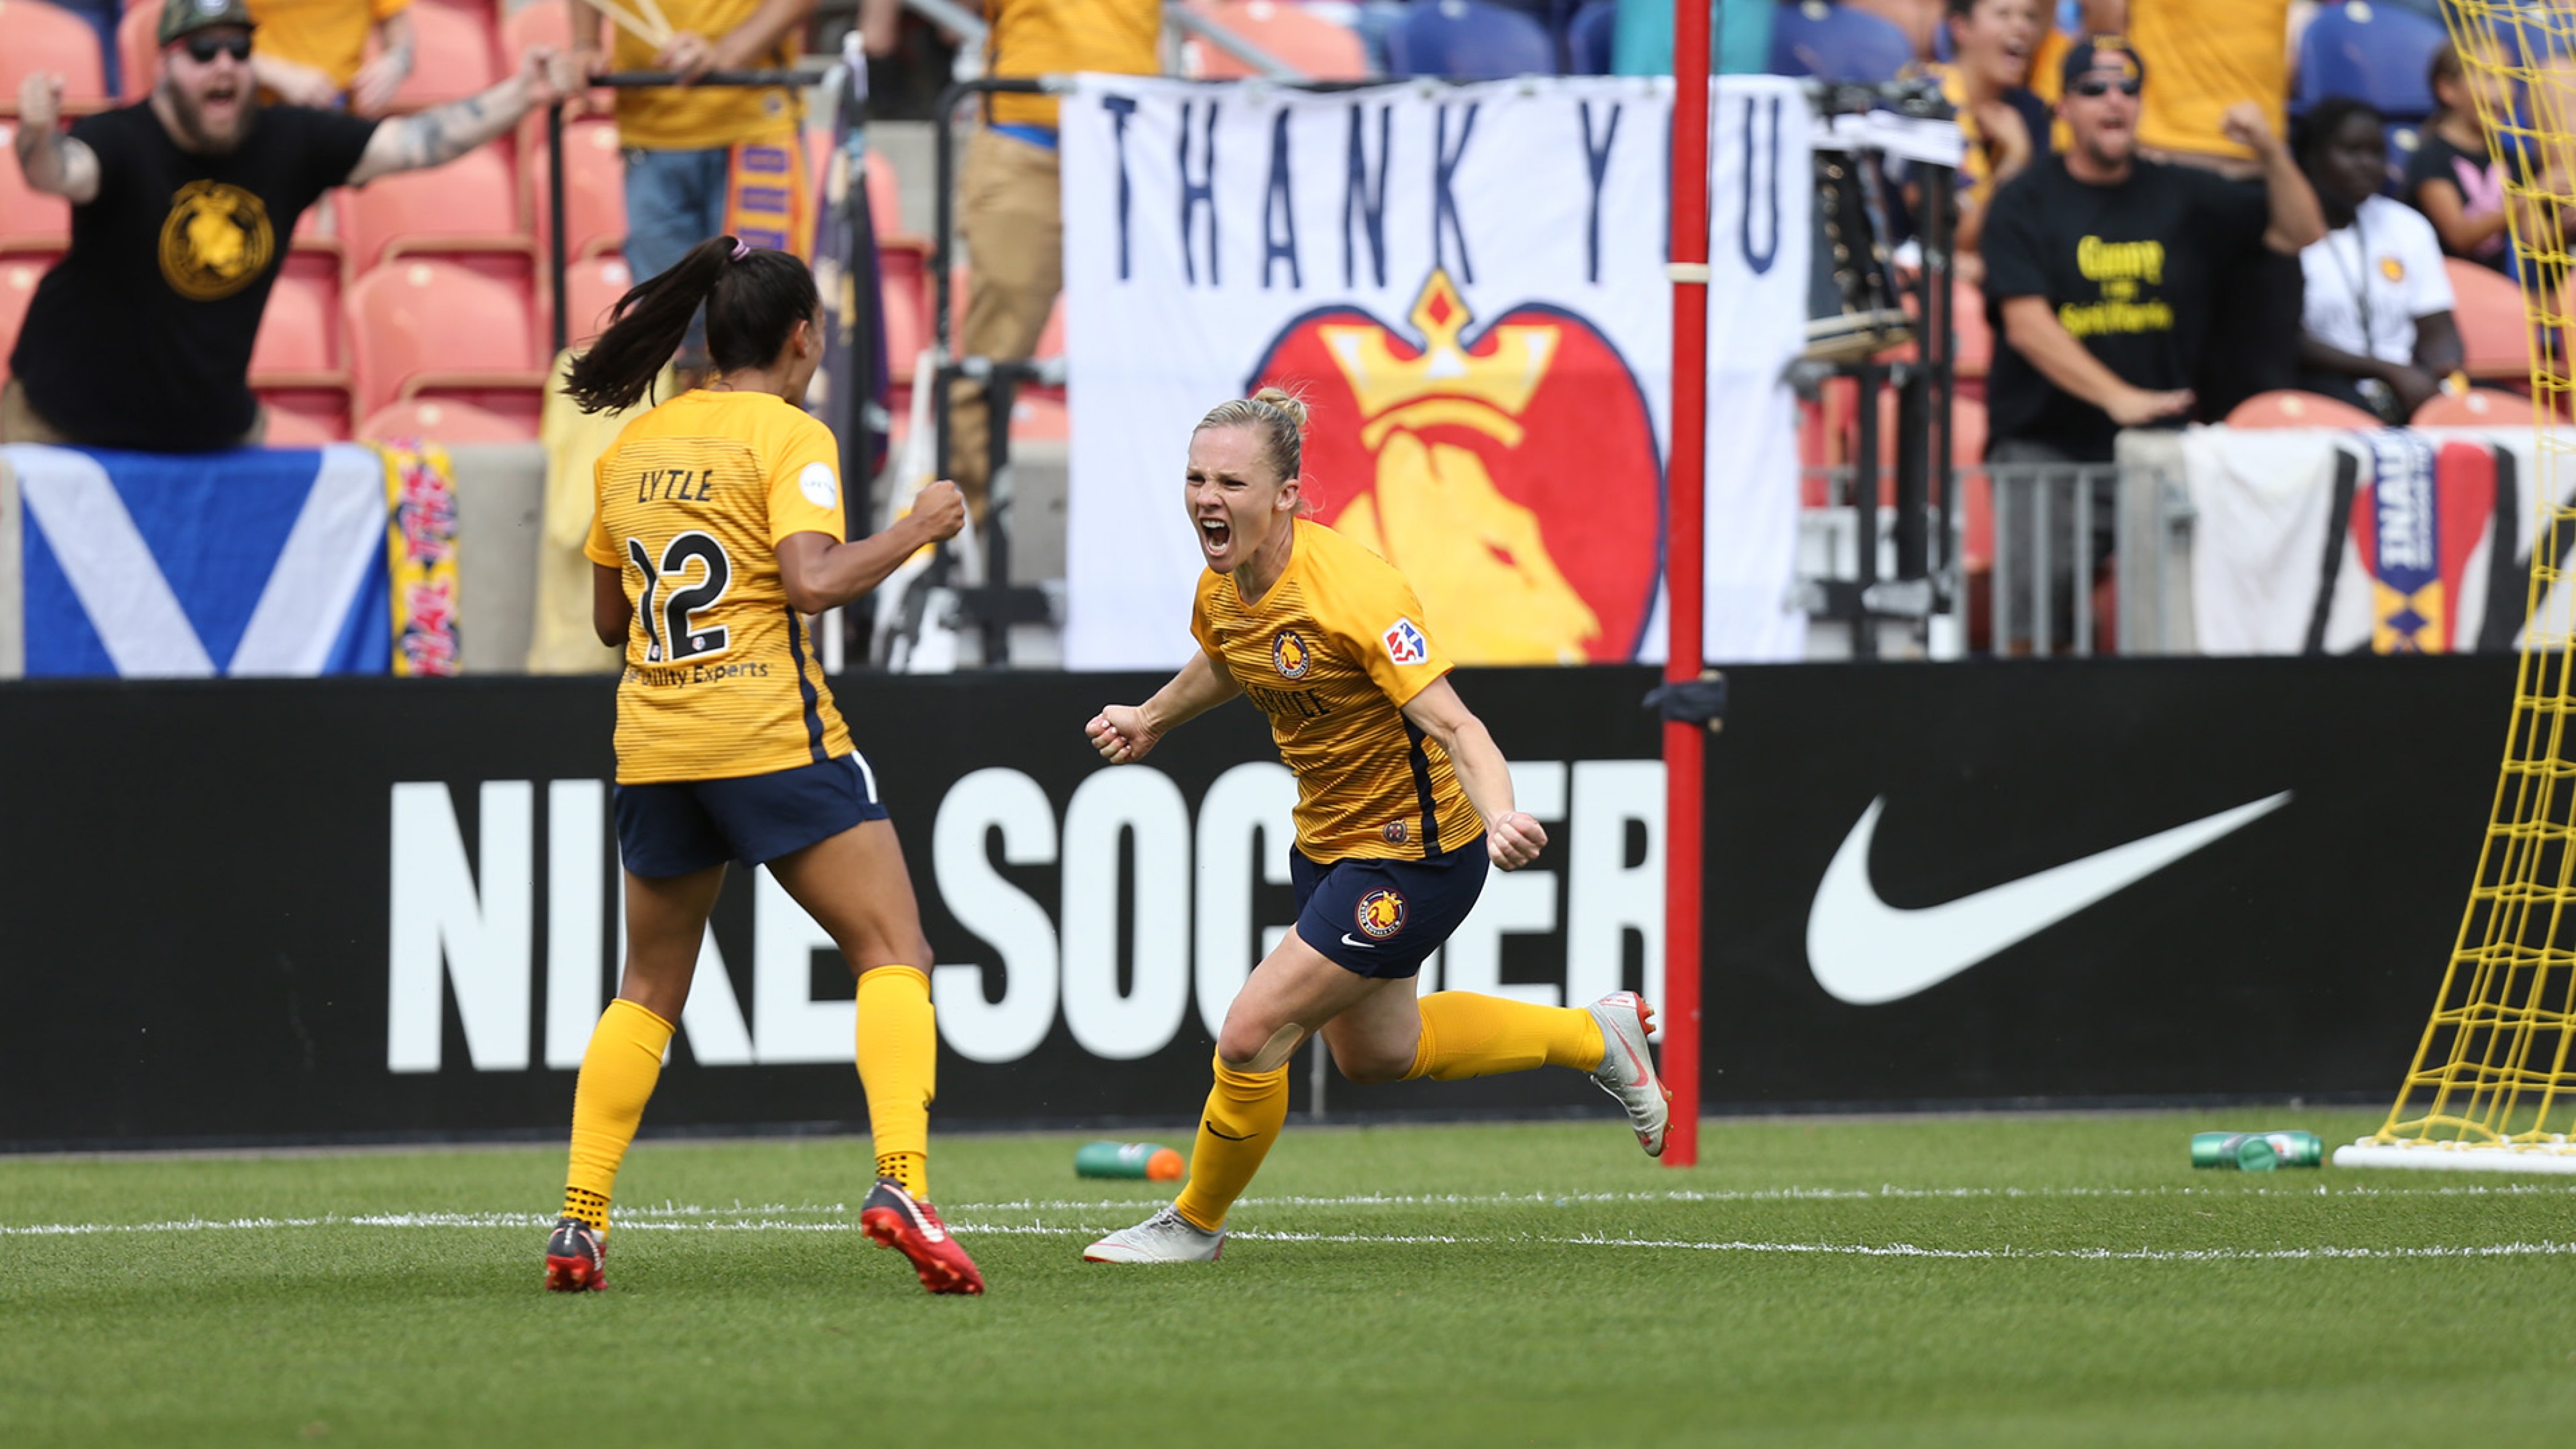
{"points": [[328, 35], [701, 118], [1052, 37], [1332, 653], [2203, 56], [721, 678]]}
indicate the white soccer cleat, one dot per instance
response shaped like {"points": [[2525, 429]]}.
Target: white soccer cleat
{"points": [[1627, 1071], [1166, 1237]]}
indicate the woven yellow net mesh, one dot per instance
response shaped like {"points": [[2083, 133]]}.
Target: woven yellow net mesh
{"points": [[2493, 1071]]}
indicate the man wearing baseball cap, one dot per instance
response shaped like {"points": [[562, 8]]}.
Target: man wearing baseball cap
{"points": [[2101, 267], [182, 207]]}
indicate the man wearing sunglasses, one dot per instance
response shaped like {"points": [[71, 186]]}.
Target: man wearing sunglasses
{"points": [[2101, 270], [182, 207]]}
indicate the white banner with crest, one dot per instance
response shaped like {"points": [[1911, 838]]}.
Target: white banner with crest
{"points": [[1467, 285]]}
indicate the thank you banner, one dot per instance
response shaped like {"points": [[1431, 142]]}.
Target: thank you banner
{"points": [[1467, 285]]}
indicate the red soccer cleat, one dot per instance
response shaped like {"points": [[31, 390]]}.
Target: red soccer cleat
{"points": [[576, 1258], [896, 1220]]}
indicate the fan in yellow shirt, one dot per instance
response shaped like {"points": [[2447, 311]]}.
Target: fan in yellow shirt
{"points": [[314, 52], [718, 529], [1402, 799]]}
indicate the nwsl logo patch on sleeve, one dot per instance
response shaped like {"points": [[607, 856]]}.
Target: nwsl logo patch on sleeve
{"points": [[1405, 644]]}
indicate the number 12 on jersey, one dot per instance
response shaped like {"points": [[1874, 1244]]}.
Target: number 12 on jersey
{"points": [[668, 635]]}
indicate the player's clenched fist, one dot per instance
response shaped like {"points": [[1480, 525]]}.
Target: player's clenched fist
{"points": [[1514, 840], [1119, 734], [941, 509]]}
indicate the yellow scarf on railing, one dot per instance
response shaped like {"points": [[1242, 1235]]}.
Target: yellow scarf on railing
{"points": [[766, 195]]}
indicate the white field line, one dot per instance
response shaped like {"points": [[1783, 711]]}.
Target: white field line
{"points": [[2543, 1248]]}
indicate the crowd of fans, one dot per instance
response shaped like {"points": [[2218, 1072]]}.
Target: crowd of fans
{"points": [[2154, 241]]}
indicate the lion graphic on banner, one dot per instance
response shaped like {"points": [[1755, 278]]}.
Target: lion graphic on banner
{"points": [[1511, 471]]}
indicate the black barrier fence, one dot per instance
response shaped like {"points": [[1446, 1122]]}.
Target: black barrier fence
{"points": [[364, 909]]}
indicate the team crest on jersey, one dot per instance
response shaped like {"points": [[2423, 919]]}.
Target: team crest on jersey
{"points": [[1396, 831], [1381, 914], [1405, 644], [1289, 654]]}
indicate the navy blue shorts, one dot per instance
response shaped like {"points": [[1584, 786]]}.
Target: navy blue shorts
{"points": [[1381, 917], [684, 826]]}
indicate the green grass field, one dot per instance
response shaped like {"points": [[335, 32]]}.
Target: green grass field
{"points": [[2047, 1280]]}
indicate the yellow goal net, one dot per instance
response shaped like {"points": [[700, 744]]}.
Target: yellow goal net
{"points": [[2493, 1084]]}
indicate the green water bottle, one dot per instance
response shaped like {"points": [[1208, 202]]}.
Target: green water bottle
{"points": [[2297, 1149], [1128, 1159], [2244, 1151]]}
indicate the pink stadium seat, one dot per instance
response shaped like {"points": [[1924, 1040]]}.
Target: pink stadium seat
{"points": [[422, 327], [18, 278], [904, 270], [464, 211], [2495, 336], [299, 336], [453, 56], [35, 36], [289, 426], [594, 190], [138, 51], [591, 287], [2287, 409], [443, 420], [2479, 407], [30, 221], [885, 195], [1319, 48]]}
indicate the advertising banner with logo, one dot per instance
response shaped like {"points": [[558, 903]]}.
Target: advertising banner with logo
{"points": [[353, 909], [1466, 284]]}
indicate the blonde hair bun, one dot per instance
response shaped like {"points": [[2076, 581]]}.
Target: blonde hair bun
{"points": [[1287, 402]]}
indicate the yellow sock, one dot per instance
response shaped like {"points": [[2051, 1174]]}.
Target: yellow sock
{"points": [[1466, 1035], [1244, 1113], [899, 1069], [617, 1076]]}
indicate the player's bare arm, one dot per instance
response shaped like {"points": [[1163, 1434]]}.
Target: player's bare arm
{"points": [[1512, 839], [1126, 733], [51, 160], [443, 133], [821, 573]]}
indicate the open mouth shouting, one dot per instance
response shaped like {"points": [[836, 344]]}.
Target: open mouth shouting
{"points": [[1216, 539]]}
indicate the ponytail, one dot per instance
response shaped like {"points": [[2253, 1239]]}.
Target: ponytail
{"points": [[754, 299]]}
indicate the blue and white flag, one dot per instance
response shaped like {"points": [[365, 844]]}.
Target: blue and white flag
{"points": [[253, 562]]}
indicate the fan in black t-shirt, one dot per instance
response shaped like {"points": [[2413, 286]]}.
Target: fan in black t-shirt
{"points": [[140, 337], [2453, 177], [2100, 267]]}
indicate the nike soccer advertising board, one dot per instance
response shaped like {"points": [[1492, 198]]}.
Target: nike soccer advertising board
{"points": [[374, 908]]}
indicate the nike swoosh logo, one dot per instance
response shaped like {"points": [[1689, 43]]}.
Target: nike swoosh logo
{"points": [[1228, 1136], [1347, 940], [1865, 951]]}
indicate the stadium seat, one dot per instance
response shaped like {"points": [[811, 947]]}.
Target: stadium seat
{"points": [[453, 57], [35, 36], [2288, 409], [1589, 36], [2479, 407], [138, 54], [1317, 48], [904, 278], [299, 337], [465, 211], [292, 427], [1468, 40], [592, 285], [2495, 336], [442, 420], [1837, 43], [2382, 54], [594, 191], [30, 221], [429, 327], [885, 195], [18, 278]]}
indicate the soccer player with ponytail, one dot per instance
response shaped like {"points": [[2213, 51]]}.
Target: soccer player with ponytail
{"points": [[1402, 799], [718, 530]]}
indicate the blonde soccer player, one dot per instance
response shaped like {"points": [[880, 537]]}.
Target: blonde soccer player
{"points": [[718, 530], [1402, 799]]}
